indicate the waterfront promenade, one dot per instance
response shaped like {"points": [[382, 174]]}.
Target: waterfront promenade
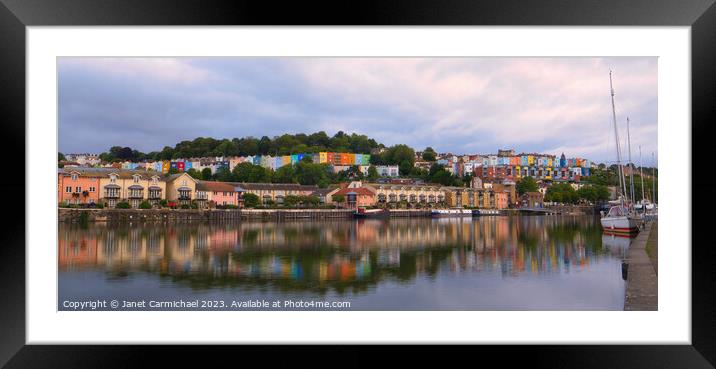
{"points": [[642, 282]]}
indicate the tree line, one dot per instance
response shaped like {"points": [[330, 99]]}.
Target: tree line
{"points": [[285, 144]]}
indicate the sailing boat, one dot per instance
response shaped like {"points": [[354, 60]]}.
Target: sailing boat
{"points": [[619, 220], [641, 205]]}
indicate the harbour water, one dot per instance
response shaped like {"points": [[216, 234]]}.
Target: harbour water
{"points": [[481, 263]]}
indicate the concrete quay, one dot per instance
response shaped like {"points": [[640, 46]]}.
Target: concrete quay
{"points": [[642, 282]]}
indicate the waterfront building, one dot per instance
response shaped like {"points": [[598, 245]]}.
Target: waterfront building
{"points": [[509, 189], [410, 195], [209, 194], [458, 197], [501, 200], [276, 192], [77, 187], [180, 188], [355, 197], [131, 186], [324, 195], [532, 199]]}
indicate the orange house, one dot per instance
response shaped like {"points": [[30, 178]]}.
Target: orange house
{"points": [[76, 187], [354, 198], [501, 200]]}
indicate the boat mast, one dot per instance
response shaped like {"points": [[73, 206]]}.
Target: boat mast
{"points": [[641, 174], [653, 178], [622, 185], [631, 167]]}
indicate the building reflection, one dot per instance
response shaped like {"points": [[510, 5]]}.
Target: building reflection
{"points": [[340, 256]]}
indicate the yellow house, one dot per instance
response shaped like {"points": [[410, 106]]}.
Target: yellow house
{"points": [[530, 160], [285, 160], [181, 188], [165, 166], [131, 186], [322, 157]]}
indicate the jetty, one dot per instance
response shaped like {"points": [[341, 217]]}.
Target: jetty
{"points": [[642, 282]]}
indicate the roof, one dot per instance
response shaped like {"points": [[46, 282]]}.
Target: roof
{"points": [[356, 191], [215, 186], [323, 191], [275, 186], [172, 177], [105, 172]]}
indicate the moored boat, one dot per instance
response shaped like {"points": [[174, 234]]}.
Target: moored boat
{"points": [[451, 213], [483, 212], [619, 221], [371, 213]]}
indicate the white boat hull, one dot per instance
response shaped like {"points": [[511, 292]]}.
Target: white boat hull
{"points": [[452, 213], [622, 224]]}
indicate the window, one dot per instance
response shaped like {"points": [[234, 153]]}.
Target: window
{"points": [[112, 178], [136, 179], [68, 189], [78, 189], [74, 176], [91, 189]]}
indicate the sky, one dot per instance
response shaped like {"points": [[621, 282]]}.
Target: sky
{"points": [[457, 105]]}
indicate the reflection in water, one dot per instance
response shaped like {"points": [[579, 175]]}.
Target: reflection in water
{"points": [[347, 259]]}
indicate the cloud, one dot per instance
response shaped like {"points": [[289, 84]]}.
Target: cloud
{"points": [[459, 105]]}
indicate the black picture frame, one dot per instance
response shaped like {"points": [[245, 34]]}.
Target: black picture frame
{"points": [[16, 15]]}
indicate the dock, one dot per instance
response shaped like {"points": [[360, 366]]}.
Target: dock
{"points": [[642, 282]]}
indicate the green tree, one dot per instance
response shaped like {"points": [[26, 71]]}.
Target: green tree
{"points": [[223, 174], [194, 173], [291, 200], [145, 205], [60, 157], [311, 174], [372, 173], [526, 184], [429, 154], [401, 155], [561, 192], [123, 205], [587, 193], [310, 200], [247, 172], [601, 193], [338, 198], [285, 174], [206, 174], [250, 200]]}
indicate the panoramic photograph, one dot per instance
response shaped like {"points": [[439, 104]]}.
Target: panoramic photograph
{"points": [[357, 183]]}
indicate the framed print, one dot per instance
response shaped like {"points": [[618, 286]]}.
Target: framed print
{"points": [[229, 177]]}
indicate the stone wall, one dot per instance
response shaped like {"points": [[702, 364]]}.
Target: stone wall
{"points": [[185, 215], [145, 215]]}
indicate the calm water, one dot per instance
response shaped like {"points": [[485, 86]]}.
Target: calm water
{"points": [[489, 263]]}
